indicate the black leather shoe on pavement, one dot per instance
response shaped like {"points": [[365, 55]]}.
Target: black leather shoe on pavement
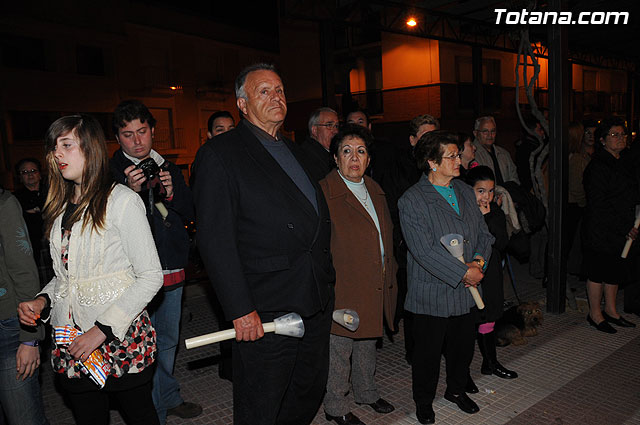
{"points": [[185, 410], [621, 321], [471, 387], [348, 419], [603, 326], [381, 406], [502, 372], [463, 401], [425, 414]]}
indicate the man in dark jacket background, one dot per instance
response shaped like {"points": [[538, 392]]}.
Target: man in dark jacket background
{"points": [[169, 206], [323, 125], [395, 170]]}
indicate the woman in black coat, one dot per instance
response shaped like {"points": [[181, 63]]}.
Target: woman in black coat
{"points": [[612, 194], [482, 179]]}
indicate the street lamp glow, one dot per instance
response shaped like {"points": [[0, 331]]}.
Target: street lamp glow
{"points": [[412, 22]]}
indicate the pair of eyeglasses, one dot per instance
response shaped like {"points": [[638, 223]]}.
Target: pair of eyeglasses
{"points": [[329, 125], [31, 171], [454, 157], [617, 135], [485, 131]]}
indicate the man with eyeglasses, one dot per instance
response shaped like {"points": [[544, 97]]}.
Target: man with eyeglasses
{"points": [[323, 125], [487, 153]]}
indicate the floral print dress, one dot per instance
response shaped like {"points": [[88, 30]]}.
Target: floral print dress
{"points": [[131, 355]]}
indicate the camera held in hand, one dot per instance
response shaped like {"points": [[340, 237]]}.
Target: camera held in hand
{"points": [[151, 171]]}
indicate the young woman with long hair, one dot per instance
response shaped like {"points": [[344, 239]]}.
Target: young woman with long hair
{"points": [[106, 271]]}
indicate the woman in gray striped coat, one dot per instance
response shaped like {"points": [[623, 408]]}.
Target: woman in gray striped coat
{"points": [[437, 291]]}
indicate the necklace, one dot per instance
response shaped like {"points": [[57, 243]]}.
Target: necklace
{"points": [[366, 197]]}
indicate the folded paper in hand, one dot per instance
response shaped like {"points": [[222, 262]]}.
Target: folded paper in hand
{"points": [[96, 366]]}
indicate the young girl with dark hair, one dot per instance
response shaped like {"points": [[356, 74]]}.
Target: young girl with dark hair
{"points": [[482, 180]]}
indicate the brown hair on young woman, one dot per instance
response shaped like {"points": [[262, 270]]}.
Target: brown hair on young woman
{"points": [[96, 176]]}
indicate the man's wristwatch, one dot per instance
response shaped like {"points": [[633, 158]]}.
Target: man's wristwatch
{"points": [[34, 343]]}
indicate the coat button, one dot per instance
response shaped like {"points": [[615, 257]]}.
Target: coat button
{"points": [[290, 225], [326, 251]]}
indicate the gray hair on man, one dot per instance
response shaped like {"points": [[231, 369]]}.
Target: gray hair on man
{"points": [[242, 76], [482, 120], [315, 116]]}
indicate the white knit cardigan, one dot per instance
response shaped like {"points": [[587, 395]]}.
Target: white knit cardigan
{"points": [[112, 274]]}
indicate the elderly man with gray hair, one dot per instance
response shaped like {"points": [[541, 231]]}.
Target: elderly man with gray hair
{"points": [[323, 125], [494, 157], [264, 235]]}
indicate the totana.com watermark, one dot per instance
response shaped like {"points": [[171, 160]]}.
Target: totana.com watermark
{"points": [[566, 18]]}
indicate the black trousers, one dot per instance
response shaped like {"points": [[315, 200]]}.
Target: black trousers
{"points": [[132, 392], [279, 379], [455, 337]]}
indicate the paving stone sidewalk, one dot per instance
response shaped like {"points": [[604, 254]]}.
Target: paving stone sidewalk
{"points": [[569, 374]]}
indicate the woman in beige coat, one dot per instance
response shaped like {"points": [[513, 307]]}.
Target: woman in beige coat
{"points": [[361, 245]]}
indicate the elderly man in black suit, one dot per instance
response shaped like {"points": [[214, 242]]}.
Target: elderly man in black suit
{"points": [[264, 233]]}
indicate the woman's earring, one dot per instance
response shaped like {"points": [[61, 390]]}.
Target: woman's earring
{"points": [[434, 169]]}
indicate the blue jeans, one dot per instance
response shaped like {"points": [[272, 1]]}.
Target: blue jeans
{"points": [[166, 310], [20, 400]]}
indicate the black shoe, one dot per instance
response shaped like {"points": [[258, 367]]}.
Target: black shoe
{"points": [[490, 364], [471, 387], [348, 419], [502, 372], [603, 326], [425, 414], [621, 321], [463, 401], [185, 410], [381, 406]]}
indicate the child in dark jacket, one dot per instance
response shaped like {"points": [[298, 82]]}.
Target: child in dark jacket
{"points": [[482, 180]]}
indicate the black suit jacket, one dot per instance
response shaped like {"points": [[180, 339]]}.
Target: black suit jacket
{"points": [[316, 159], [264, 246]]}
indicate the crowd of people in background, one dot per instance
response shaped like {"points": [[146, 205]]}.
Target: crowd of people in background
{"points": [[98, 251]]}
